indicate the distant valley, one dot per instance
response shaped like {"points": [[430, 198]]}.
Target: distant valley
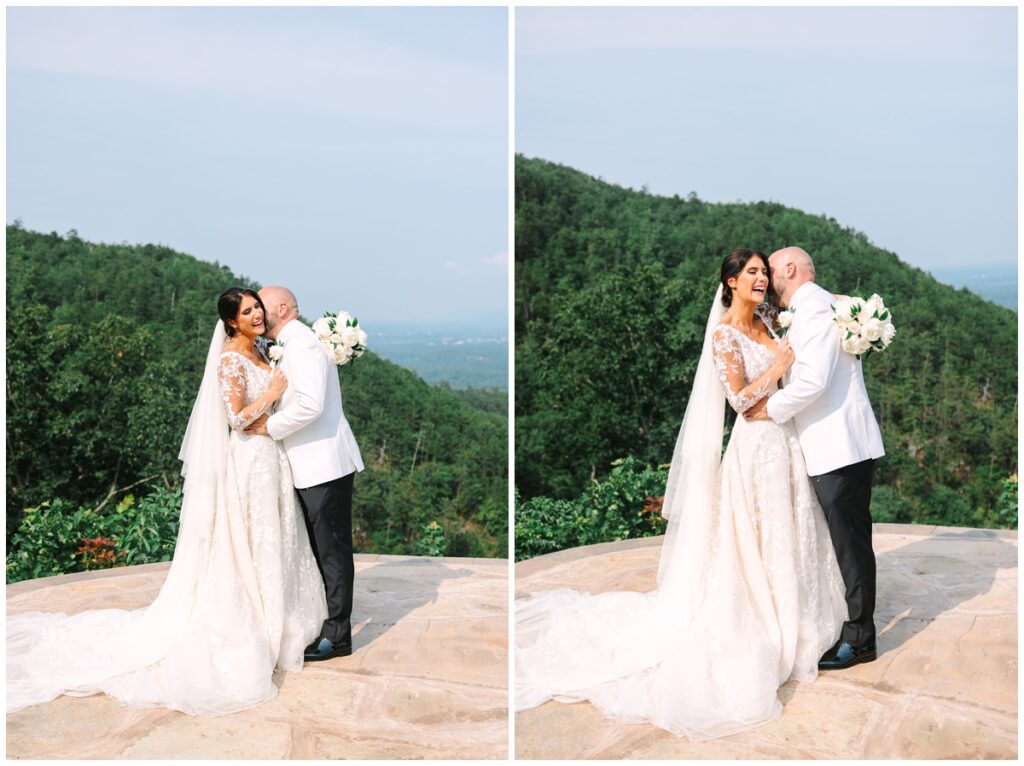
{"points": [[464, 355], [993, 282]]}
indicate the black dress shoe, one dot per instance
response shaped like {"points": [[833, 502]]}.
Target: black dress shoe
{"points": [[844, 655], [326, 648]]}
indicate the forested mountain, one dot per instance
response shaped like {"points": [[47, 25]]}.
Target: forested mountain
{"points": [[105, 349], [613, 288]]}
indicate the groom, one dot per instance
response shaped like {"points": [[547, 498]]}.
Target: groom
{"points": [[324, 458], [840, 439]]}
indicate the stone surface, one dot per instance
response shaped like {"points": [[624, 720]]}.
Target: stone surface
{"points": [[428, 677], [944, 684]]}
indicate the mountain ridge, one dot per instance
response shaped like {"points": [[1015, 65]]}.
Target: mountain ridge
{"points": [[612, 291], [106, 344]]}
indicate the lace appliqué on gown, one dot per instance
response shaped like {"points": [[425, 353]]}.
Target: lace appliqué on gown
{"points": [[769, 602], [248, 602]]}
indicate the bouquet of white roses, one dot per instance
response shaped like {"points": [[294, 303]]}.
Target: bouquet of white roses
{"points": [[864, 325], [342, 337]]}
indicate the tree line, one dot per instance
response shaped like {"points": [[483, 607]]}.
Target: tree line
{"points": [[612, 290], [105, 351]]}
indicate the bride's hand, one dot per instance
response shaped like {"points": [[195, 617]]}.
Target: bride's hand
{"points": [[784, 356], [278, 384]]}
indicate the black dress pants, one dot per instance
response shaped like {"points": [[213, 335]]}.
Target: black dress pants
{"points": [[845, 497], [328, 511]]}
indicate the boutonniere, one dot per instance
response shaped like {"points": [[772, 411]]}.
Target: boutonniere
{"points": [[785, 321], [275, 352]]}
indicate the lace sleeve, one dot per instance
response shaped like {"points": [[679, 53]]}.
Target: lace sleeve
{"points": [[728, 356], [231, 373]]}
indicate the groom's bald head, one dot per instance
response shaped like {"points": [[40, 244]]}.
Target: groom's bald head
{"points": [[791, 268], [281, 307]]}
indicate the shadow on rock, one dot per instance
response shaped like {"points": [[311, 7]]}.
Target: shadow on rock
{"points": [[925, 579], [387, 592]]}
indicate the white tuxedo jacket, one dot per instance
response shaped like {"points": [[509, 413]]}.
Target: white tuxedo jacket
{"points": [[824, 393], [309, 419]]}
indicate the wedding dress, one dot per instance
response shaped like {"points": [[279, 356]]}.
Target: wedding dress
{"points": [[749, 593], [243, 595]]}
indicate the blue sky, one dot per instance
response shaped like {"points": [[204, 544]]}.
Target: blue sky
{"points": [[357, 155], [898, 122]]}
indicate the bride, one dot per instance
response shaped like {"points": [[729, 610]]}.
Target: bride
{"points": [[243, 595], [749, 593]]}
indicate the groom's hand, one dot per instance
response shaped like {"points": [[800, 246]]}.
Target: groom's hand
{"points": [[258, 426], [759, 411]]}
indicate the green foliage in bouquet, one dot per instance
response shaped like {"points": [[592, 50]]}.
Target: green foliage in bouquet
{"points": [[625, 505]]}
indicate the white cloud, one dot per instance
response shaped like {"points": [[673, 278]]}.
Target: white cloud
{"points": [[500, 260], [450, 265]]}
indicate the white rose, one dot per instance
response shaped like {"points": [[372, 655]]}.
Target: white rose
{"points": [[873, 329], [863, 345], [335, 338], [888, 332], [843, 308], [322, 327], [362, 336], [850, 345], [343, 318], [275, 353], [875, 304], [341, 355], [350, 336], [853, 326], [785, 319]]}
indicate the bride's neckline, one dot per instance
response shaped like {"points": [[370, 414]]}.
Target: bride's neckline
{"points": [[256, 364], [751, 338]]}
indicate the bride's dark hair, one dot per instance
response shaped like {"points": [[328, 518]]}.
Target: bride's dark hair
{"points": [[228, 303], [733, 264]]}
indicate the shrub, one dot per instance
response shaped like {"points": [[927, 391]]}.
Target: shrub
{"points": [[544, 525], [431, 542], [146, 530], [1006, 505], [888, 505], [1004, 514], [55, 538], [99, 553], [48, 539], [625, 505], [946, 506]]}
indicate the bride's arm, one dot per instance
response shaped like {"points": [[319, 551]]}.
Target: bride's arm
{"points": [[725, 350], [231, 374]]}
